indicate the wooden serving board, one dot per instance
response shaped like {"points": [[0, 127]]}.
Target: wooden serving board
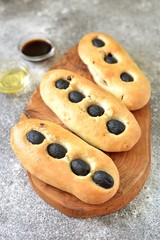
{"points": [[133, 165]]}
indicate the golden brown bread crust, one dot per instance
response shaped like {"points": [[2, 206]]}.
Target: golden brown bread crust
{"points": [[57, 172], [75, 116], [133, 94]]}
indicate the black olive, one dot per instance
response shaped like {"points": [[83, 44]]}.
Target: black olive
{"points": [[75, 96], [62, 84], [115, 126], [126, 77], [98, 42], [80, 167], [110, 59], [35, 137], [95, 110], [103, 179], [56, 150]]}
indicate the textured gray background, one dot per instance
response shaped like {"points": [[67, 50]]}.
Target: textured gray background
{"points": [[136, 25]]}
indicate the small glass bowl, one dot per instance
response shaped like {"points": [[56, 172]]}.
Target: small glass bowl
{"points": [[34, 37], [14, 76]]}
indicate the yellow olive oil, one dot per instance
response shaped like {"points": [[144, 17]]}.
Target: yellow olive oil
{"points": [[13, 80]]}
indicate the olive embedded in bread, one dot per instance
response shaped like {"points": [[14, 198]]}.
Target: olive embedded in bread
{"points": [[95, 111], [110, 63], [110, 59], [62, 84], [80, 167], [75, 96], [56, 150], [35, 137], [99, 118], [126, 77], [65, 161], [115, 126], [103, 179], [98, 42]]}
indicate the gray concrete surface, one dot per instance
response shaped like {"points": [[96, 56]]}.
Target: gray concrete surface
{"points": [[136, 25]]}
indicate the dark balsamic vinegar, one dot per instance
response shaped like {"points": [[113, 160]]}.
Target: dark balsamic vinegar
{"points": [[36, 47]]}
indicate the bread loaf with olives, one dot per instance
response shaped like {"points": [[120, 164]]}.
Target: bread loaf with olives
{"points": [[62, 160], [89, 111], [114, 70]]}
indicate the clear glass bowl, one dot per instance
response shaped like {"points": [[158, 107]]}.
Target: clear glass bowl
{"points": [[14, 76], [33, 37]]}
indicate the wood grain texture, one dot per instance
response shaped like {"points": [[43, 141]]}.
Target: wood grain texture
{"points": [[133, 165]]}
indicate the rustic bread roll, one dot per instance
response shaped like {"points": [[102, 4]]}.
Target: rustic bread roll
{"points": [[114, 70], [89, 111], [61, 159]]}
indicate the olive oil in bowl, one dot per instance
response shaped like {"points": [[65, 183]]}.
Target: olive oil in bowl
{"points": [[13, 78]]}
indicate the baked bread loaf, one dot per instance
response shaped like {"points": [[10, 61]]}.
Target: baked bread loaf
{"points": [[62, 160], [114, 70], [89, 111]]}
